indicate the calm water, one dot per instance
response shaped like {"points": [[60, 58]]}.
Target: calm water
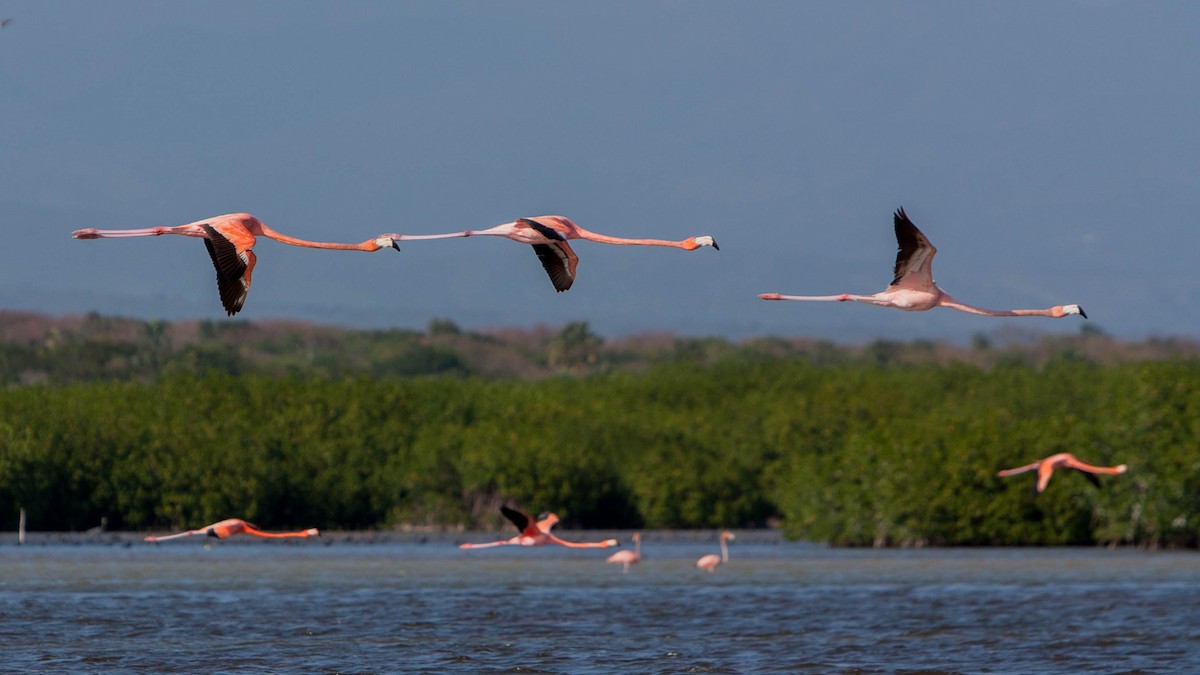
{"points": [[245, 606]]}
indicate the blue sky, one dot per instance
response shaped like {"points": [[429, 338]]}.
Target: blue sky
{"points": [[1051, 151]]}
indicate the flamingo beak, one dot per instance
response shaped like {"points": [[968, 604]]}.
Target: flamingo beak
{"points": [[1082, 313]]}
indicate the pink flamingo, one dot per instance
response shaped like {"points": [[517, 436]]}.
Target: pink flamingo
{"points": [[712, 560], [229, 240], [1063, 460], [537, 533], [232, 526], [549, 235], [913, 289], [627, 557]]}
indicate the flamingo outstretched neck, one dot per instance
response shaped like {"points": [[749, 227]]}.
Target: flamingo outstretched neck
{"points": [[537, 533], [229, 240], [549, 235], [1063, 460], [913, 289]]}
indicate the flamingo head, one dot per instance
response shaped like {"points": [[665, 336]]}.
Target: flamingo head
{"points": [[706, 240], [728, 535], [312, 532], [388, 241], [1121, 468], [1073, 309], [611, 542]]}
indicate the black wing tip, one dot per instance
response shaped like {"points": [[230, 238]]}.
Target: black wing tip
{"points": [[555, 266], [515, 517]]}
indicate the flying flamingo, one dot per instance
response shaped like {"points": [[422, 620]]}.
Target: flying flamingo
{"points": [[1063, 460], [232, 526], [537, 533], [549, 235], [913, 288], [229, 240], [712, 560], [628, 557]]}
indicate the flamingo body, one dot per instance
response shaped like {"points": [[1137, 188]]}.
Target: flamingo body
{"points": [[231, 526], [536, 533], [711, 561], [913, 288], [1063, 460], [627, 557], [549, 235], [229, 240]]}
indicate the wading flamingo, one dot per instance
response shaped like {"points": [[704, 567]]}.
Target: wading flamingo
{"points": [[537, 533], [232, 526], [712, 560], [913, 288], [549, 235], [1063, 460], [229, 240], [628, 557]]}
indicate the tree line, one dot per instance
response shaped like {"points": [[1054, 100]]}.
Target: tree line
{"points": [[842, 451]]}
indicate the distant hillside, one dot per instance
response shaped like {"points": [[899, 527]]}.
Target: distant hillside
{"points": [[43, 349]]}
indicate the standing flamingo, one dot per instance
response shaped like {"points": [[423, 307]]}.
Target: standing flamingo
{"points": [[229, 240], [537, 533], [628, 557], [712, 560], [913, 288], [1064, 460], [549, 235], [232, 526]]}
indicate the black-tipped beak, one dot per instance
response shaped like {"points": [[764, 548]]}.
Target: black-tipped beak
{"points": [[1082, 313], [715, 245], [396, 245], [213, 534]]}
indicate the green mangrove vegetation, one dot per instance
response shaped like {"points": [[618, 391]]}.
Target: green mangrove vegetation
{"points": [[885, 444]]}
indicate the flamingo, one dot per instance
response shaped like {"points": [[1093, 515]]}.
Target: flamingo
{"points": [[232, 526], [628, 557], [229, 239], [537, 533], [712, 560], [913, 288], [549, 235], [1063, 460]]}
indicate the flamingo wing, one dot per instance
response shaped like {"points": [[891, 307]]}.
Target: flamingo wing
{"points": [[915, 256], [556, 255], [234, 269], [521, 520], [1090, 476]]}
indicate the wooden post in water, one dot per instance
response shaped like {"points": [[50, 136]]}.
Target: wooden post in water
{"points": [[21, 527]]}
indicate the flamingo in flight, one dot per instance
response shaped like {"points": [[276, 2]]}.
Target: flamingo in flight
{"points": [[712, 560], [229, 239], [913, 288], [1063, 460], [627, 557], [537, 533], [229, 527], [549, 234]]}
